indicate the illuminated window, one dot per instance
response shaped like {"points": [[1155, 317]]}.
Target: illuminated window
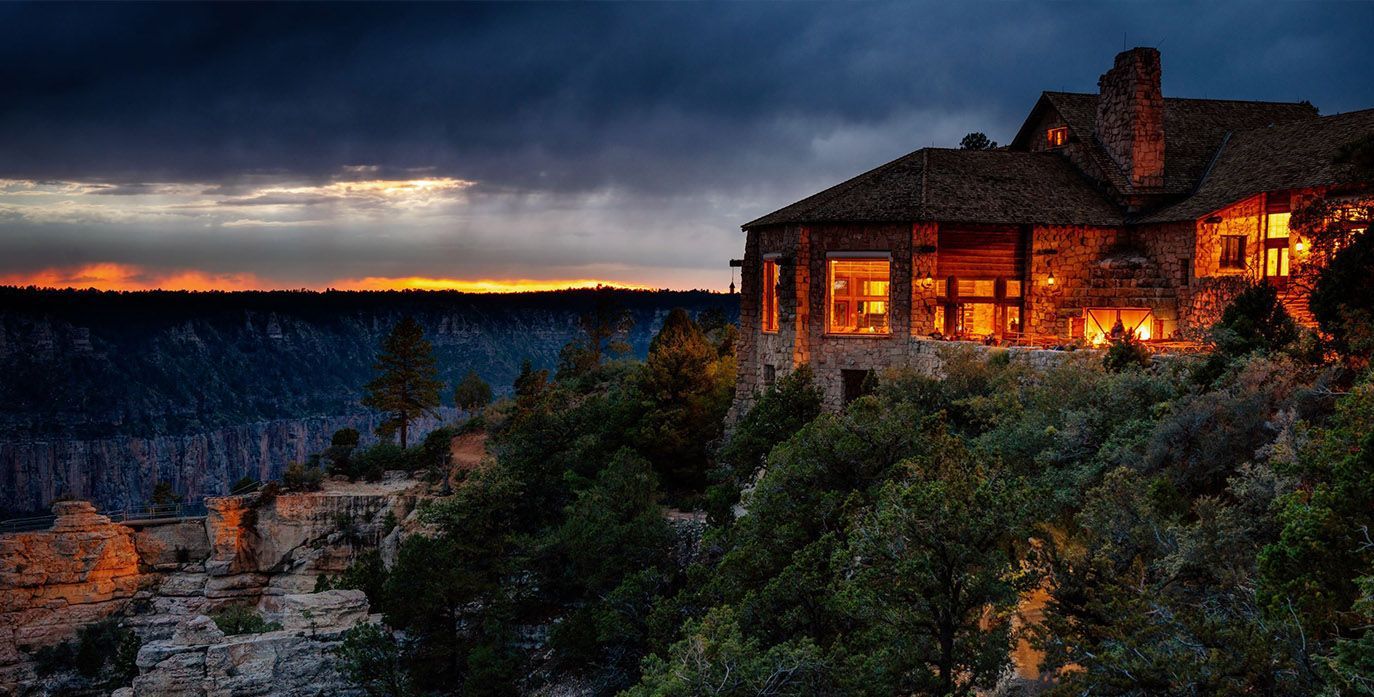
{"points": [[1102, 324], [1057, 137], [858, 296], [1014, 320], [1232, 251], [1278, 225], [977, 287], [1013, 288], [770, 295]]}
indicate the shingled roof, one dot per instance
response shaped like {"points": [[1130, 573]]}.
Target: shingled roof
{"points": [[1193, 130], [970, 186], [1293, 155]]}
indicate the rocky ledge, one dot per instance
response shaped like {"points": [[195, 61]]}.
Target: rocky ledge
{"points": [[294, 661], [160, 581]]}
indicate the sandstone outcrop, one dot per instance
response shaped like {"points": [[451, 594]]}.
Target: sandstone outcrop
{"points": [[56, 581], [266, 552]]}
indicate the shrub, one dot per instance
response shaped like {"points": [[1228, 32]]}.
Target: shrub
{"points": [[240, 619], [298, 477], [367, 574], [102, 650], [779, 412], [1126, 354], [371, 659], [1254, 321], [339, 455], [1342, 301], [164, 495]]}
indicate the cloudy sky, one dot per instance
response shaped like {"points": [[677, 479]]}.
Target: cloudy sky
{"points": [[361, 146]]}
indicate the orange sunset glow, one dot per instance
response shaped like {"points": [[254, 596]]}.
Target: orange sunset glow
{"points": [[129, 277]]}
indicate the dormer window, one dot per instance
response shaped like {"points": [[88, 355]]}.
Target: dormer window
{"points": [[1057, 137]]}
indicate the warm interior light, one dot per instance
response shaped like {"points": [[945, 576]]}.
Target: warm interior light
{"points": [[857, 296], [1135, 321]]}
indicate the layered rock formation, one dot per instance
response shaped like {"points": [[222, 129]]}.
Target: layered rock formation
{"points": [[54, 582], [294, 661], [263, 552]]}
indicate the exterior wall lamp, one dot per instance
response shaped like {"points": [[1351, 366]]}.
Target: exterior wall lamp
{"points": [[1050, 280]]}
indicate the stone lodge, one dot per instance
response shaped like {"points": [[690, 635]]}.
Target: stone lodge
{"points": [[1117, 213]]}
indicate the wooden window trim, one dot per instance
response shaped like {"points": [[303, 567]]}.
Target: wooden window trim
{"points": [[1226, 263], [768, 295], [830, 259]]}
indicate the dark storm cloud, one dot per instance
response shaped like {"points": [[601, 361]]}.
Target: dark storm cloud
{"points": [[582, 126], [582, 96]]}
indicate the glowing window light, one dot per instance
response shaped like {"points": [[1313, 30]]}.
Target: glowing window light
{"points": [[770, 295], [857, 296], [1099, 321]]}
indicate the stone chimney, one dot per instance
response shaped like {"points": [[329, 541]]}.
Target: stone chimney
{"points": [[1130, 116]]}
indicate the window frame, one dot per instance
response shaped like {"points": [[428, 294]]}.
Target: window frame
{"points": [[951, 302], [1227, 262], [1056, 137], [769, 319], [830, 259]]}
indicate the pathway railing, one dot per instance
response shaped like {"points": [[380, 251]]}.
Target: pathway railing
{"points": [[131, 514]]}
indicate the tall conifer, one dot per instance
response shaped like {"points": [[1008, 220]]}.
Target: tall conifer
{"points": [[407, 383]]}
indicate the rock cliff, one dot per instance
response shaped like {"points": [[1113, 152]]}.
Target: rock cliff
{"points": [[160, 580], [102, 395]]}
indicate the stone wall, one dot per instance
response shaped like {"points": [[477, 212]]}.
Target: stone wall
{"points": [[1092, 267]]}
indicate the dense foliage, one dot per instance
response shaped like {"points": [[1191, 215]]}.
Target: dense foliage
{"points": [[1187, 525]]}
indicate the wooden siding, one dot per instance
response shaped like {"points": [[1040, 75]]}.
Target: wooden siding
{"points": [[981, 252]]}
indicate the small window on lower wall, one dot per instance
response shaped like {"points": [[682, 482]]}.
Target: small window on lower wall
{"points": [[857, 297], [1103, 324], [857, 383], [770, 376]]}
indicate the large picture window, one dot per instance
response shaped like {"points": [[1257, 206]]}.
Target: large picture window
{"points": [[770, 295], [858, 296]]}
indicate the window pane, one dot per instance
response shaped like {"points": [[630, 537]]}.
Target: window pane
{"points": [[942, 288], [858, 299], [1014, 319], [1013, 289], [977, 288], [770, 295], [1278, 225]]}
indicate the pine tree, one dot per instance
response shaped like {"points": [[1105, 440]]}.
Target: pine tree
{"points": [[407, 383], [472, 393]]}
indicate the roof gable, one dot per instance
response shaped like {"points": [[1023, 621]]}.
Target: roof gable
{"points": [[1193, 130]]}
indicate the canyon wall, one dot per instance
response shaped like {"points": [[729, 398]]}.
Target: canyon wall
{"points": [[102, 395]]}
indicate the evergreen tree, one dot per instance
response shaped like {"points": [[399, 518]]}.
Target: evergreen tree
{"points": [[687, 389], [472, 393], [1343, 300], [977, 140], [603, 328], [407, 383]]}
